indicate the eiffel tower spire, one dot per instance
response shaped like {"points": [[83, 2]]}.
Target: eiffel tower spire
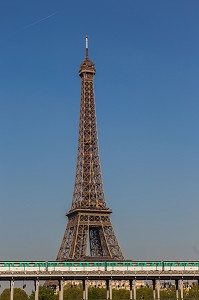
{"points": [[89, 230], [87, 48]]}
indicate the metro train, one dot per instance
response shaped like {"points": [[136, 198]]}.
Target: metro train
{"points": [[58, 266]]}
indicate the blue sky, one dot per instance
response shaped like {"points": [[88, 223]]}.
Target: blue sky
{"points": [[147, 94]]}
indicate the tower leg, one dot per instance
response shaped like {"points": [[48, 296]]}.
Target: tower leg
{"points": [[154, 293], [176, 283], [37, 289], [61, 289], [158, 288], [181, 290], [12, 289], [134, 289]]}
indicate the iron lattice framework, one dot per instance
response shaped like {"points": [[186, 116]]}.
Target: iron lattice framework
{"points": [[89, 231]]}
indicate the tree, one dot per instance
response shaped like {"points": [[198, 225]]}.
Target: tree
{"points": [[73, 292], [19, 294], [96, 293], [192, 292], [168, 293], [121, 294], [144, 293], [44, 294]]}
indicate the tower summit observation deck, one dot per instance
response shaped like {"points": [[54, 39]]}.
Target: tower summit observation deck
{"points": [[89, 232]]}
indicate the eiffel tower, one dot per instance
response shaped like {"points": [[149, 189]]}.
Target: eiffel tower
{"points": [[89, 233]]}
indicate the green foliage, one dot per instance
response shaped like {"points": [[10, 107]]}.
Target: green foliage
{"points": [[96, 293], [19, 294], [44, 294], [73, 293], [120, 294], [192, 292], [168, 293], [144, 293]]}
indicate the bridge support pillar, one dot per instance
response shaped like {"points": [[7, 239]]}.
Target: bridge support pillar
{"points": [[158, 288], [12, 289], [61, 289], [37, 289], [181, 289], [107, 289], [110, 290], [131, 289], [154, 293], [134, 289], [85, 289], [177, 286], [84, 292]]}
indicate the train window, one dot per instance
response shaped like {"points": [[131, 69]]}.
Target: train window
{"points": [[41, 264], [169, 264], [141, 264], [83, 264], [101, 264], [70, 264], [76, 265], [8, 264], [98, 264], [24, 264], [66, 264]]}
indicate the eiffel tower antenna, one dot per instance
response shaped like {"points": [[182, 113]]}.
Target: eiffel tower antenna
{"points": [[87, 48], [89, 232]]}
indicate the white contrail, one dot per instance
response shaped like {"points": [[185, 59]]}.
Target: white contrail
{"points": [[40, 20]]}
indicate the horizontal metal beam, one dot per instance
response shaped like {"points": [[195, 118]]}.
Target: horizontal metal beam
{"points": [[99, 275]]}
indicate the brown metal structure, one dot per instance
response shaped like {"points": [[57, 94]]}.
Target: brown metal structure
{"points": [[89, 231]]}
